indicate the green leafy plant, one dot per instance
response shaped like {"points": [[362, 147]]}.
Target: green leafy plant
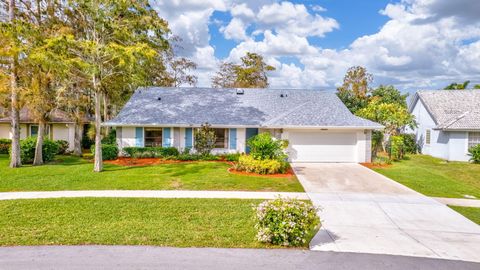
{"points": [[396, 147], [5, 145], [248, 163], [231, 157], [410, 145], [111, 138], [264, 146], [150, 152], [27, 149], [474, 152], [62, 146], [205, 139], [109, 151], [287, 222]]}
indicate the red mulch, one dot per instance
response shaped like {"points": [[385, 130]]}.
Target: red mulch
{"points": [[289, 173], [373, 166]]}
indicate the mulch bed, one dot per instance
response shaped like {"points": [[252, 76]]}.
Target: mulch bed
{"points": [[375, 166]]}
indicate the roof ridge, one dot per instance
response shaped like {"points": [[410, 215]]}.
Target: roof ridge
{"points": [[453, 121]]}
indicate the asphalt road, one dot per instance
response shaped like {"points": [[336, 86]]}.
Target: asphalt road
{"points": [[147, 257]]}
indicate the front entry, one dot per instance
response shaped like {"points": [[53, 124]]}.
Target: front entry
{"points": [[250, 132]]}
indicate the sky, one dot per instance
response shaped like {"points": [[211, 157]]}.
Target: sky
{"points": [[411, 44]]}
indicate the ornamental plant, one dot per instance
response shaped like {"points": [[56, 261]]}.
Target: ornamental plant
{"points": [[262, 166], [204, 139], [264, 146], [286, 222], [474, 152], [27, 149]]}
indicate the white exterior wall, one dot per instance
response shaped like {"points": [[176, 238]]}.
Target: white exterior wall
{"points": [[5, 131], [64, 132], [447, 145], [241, 140], [23, 131], [126, 138], [458, 146]]}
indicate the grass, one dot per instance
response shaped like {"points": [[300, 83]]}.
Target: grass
{"points": [[472, 213], [435, 177], [73, 173], [127, 221]]}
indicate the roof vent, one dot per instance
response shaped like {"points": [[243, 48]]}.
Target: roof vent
{"points": [[159, 98], [283, 95], [240, 91]]}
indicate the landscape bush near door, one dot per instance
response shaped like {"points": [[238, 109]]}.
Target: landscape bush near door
{"points": [[27, 149], [5, 145], [287, 222], [109, 151]]}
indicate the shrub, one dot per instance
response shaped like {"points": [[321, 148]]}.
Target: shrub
{"points": [[62, 146], [5, 145], [474, 152], [109, 151], [287, 222], [204, 139], [231, 157], [150, 152], [395, 148], [27, 149], [265, 166], [111, 138], [264, 146], [409, 143], [196, 157]]}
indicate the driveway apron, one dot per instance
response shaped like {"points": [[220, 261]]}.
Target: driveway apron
{"points": [[363, 211]]}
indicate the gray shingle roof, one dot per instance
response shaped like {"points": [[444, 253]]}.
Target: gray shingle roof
{"points": [[453, 109], [224, 107]]}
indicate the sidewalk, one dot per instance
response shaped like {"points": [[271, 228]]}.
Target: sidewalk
{"points": [[151, 194]]}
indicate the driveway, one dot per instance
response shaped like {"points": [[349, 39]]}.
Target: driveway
{"points": [[366, 212]]}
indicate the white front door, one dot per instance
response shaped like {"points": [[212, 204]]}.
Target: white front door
{"points": [[322, 146]]}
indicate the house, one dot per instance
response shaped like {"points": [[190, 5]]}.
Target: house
{"points": [[448, 122], [59, 127], [317, 124]]}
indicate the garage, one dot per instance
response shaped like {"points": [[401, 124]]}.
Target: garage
{"points": [[322, 146]]}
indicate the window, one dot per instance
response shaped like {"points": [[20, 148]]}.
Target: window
{"points": [[34, 130], [153, 137], [428, 136], [222, 137], [473, 139]]}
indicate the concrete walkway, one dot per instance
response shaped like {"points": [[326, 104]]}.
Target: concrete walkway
{"points": [[365, 212], [151, 194], [148, 257], [458, 202]]}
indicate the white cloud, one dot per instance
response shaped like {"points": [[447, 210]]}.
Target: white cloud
{"points": [[424, 43]]}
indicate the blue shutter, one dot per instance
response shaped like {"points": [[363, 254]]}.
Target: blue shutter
{"points": [[139, 142], [166, 141], [233, 138], [188, 138]]}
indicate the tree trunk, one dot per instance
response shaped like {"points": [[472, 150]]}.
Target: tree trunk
{"points": [[38, 159], [98, 163], [77, 140], [15, 160], [105, 113]]}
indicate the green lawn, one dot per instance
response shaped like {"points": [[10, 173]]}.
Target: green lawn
{"points": [[472, 213], [73, 173], [127, 221], [435, 177]]}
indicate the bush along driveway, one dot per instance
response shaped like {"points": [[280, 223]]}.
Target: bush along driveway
{"points": [[73, 173]]}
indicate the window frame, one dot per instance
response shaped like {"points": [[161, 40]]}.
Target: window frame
{"points": [[475, 135], [225, 139], [47, 130], [155, 144]]}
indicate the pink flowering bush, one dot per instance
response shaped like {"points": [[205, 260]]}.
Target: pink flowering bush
{"points": [[286, 222]]}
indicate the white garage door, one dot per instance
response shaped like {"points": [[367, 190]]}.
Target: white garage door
{"points": [[317, 146]]}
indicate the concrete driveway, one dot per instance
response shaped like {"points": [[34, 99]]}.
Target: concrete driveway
{"points": [[366, 212]]}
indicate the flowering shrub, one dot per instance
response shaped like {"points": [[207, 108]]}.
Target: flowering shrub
{"points": [[264, 146], [265, 166], [286, 222]]}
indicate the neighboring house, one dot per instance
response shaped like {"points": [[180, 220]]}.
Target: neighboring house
{"points": [[448, 122], [59, 127], [317, 124]]}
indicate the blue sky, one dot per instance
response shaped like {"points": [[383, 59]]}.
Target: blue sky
{"points": [[412, 44]]}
